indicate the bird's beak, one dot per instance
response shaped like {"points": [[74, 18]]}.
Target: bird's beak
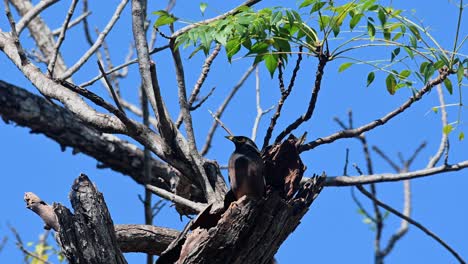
{"points": [[230, 138]]}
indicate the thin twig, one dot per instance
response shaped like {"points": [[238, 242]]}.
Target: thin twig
{"points": [[122, 66], [14, 33], [221, 123], [97, 43], [284, 95], [111, 89], [260, 111], [357, 131], [201, 79], [413, 222], [197, 207], [386, 158], [323, 59], [20, 245], [73, 23], [221, 109], [202, 100], [61, 38], [87, 33]]}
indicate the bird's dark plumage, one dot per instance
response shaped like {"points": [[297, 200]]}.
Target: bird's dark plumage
{"points": [[246, 169]]}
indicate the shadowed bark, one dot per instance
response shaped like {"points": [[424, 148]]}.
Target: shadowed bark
{"points": [[88, 235]]}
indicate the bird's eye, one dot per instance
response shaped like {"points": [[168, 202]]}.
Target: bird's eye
{"points": [[241, 140]]}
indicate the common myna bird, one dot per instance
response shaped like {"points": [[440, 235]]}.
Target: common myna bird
{"points": [[246, 169]]}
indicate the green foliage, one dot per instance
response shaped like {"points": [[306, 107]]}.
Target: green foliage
{"points": [[43, 252], [272, 34], [164, 18]]}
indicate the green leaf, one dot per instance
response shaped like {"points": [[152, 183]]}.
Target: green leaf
{"points": [[307, 3], [415, 31], [448, 85], [435, 109], [460, 72], [276, 18], [382, 16], [271, 62], [461, 136], [429, 71], [391, 83], [164, 18], [370, 30], [370, 78], [203, 7], [439, 64], [404, 74], [344, 66], [413, 42], [447, 129], [323, 22], [317, 6], [355, 20], [409, 51], [397, 36], [395, 53], [232, 47]]}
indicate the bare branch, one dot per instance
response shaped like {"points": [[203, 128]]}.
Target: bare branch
{"points": [[413, 222], [201, 79], [443, 117], [323, 59], [221, 123], [284, 95], [111, 89], [404, 224], [31, 14], [388, 177], [61, 38], [69, 72], [386, 158], [73, 23], [14, 33], [122, 66], [221, 109], [202, 100], [197, 207], [144, 238], [260, 111], [357, 131], [68, 130], [187, 117], [40, 32]]}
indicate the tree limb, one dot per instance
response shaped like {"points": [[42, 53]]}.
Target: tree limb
{"points": [[338, 181], [348, 133]]}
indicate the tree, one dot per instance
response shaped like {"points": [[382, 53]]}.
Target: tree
{"points": [[164, 153]]}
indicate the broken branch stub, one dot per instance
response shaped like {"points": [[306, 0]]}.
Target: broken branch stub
{"points": [[251, 231], [88, 235], [284, 167]]}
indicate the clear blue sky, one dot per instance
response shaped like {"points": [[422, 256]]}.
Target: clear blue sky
{"points": [[332, 231]]}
